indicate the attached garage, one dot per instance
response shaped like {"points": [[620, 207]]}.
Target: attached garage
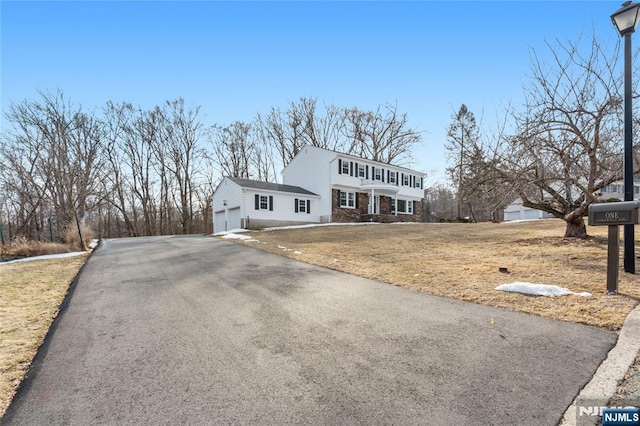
{"points": [[248, 204]]}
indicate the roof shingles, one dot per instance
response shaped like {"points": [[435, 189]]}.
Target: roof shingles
{"points": [[268, 186]]}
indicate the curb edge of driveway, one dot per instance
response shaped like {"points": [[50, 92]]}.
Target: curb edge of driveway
{"points": [[25, 384], [612, 370]]}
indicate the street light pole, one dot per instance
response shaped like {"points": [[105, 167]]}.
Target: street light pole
{"points": [[629, 237], [626, 19]]}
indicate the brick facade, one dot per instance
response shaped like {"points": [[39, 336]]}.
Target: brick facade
{"points": [[361, 212]]}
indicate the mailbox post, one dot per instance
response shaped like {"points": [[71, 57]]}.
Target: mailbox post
{"points": [[613, 215]]}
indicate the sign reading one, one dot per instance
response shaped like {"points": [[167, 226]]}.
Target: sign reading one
{"points": [[612, 218], [621, 213]]}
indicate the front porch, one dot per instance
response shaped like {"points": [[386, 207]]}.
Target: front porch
{"points": [[374, 205]]}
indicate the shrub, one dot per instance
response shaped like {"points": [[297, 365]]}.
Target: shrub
{"points": [[72, 238]]}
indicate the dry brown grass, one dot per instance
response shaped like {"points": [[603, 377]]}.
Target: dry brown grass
{"points": [[21, 247], [72, 237], [30, 296], [462, 261]]}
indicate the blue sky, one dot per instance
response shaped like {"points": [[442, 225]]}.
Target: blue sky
{"points": [[236, 59]]}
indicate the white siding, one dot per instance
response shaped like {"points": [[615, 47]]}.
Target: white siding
{"points": [[311, 170], [230, 193], [283, 207]]}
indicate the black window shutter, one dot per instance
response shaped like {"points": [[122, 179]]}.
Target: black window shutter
{"points": [[397, 179], [388, 172], [355, 167], [367, 172], [295, 207], [402, 176], [382, 173], [421, 183], [257, 202], [308, 206], [339, 166], [350, 168], [338, 203], [414, 182], [271, 202], [373, 173], [355, 194]]}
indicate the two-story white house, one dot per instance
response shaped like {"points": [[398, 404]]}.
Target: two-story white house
{"points": [[321, 186]]}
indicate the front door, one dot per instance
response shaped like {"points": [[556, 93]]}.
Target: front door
{"points": [[376, 204]]}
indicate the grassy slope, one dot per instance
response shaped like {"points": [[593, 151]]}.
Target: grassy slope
{"points": [[30, 297]]}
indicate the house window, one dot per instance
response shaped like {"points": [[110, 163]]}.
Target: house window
{"points": [[392, 205], [264, 202], [636, 189], [361, 170], [417, 184], [405, 180], [347, 199], [378, 174], [345, 167], [302, 206], [392, 177], [405, 206]]}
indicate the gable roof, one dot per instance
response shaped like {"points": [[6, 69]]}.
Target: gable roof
{"points": [[355, 157], [268, 186]]}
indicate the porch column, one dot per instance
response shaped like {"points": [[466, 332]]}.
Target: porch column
{"points": [[372, 202], [395, 213]]}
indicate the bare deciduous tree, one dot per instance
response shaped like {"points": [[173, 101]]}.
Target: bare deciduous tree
{"points": [[53, 153], [383, 135], [567, 146]]}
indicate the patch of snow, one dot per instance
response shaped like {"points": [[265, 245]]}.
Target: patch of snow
{"points": [[45, 257], [93, 244], [297, 252], [281, 247], [233, 231], [521, 220], [232, 236], [538, 289], [317, 225]]}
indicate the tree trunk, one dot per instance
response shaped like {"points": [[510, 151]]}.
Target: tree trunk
{"points": [[576, 229]]}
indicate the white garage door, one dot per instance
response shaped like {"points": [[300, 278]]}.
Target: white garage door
{"points": [[512, 215], [218, 221], [233, 219], [532, 214]]}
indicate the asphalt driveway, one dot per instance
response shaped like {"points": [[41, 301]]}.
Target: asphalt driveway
{"points": [[193, 330]]}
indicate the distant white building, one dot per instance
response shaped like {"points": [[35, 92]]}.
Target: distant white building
{"points": [[616, 191], [516, 211]]}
